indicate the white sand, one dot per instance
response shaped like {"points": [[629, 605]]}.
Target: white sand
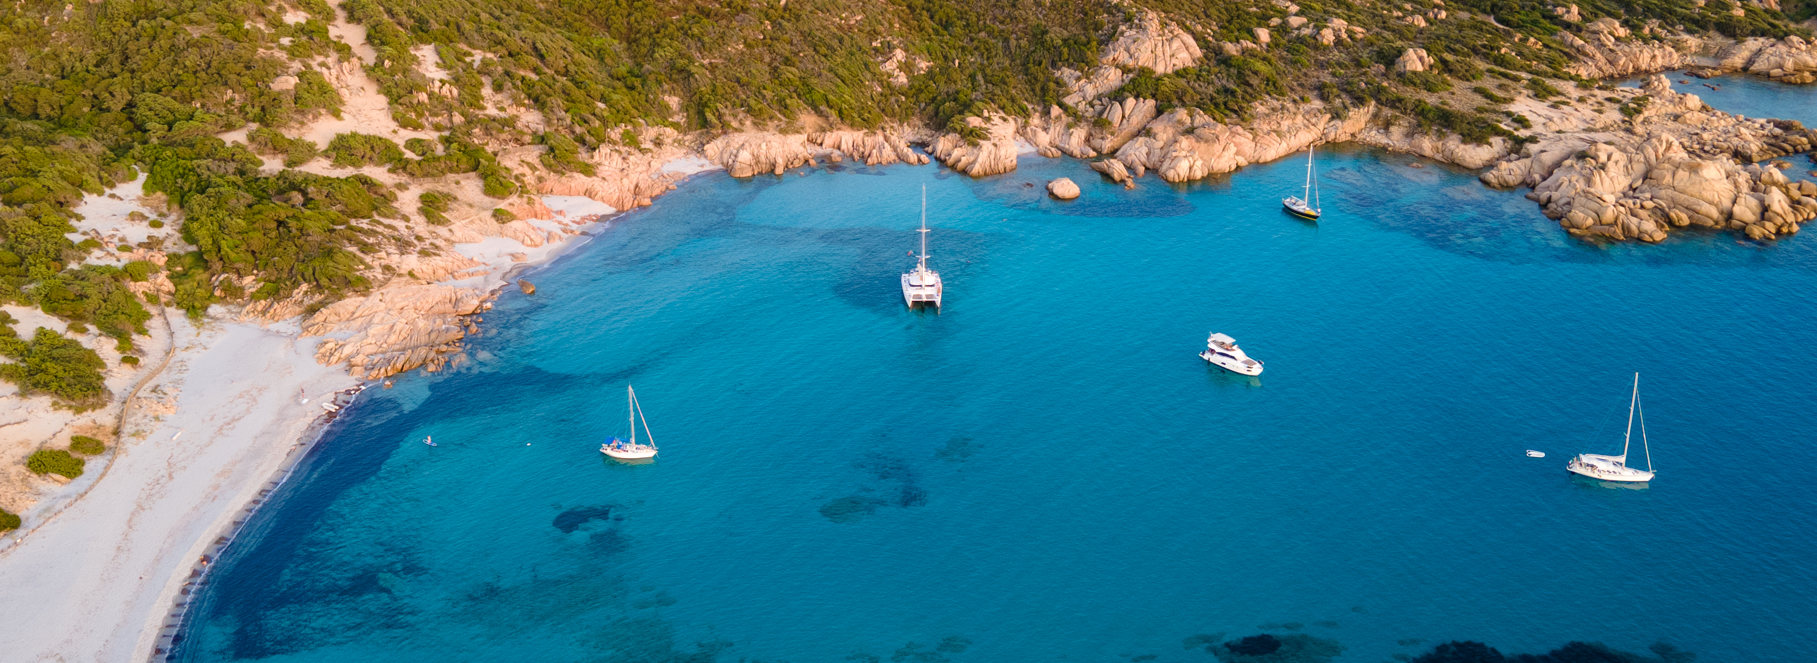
{"points": [[82, 586], [98, 581]]}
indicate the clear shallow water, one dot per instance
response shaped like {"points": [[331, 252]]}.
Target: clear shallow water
{"points": [[1045, 471]]}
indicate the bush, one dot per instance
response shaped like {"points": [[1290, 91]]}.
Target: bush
{"points": [[55, 461], [156, 223], [503, 215], [9, 520], [86, 445], [129, 360], [352, 150]]}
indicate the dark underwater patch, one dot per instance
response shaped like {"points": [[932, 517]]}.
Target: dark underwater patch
{"points": [[572, 519], [1268, 648], [849, 508], [1572, 652], [958, 449]]}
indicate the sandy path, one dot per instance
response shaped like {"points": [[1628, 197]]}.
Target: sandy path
{"points": [[82, 586]]}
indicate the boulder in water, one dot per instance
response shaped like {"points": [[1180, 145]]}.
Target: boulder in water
{"points": [[1063, 188]]}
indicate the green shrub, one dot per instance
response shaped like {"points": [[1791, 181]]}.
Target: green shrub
{"points": [[503, 215], [52, 364], [86, 445], [156, 223], [129, 360], [139, 270], [352, 150], [9, 520], [54, 461]]}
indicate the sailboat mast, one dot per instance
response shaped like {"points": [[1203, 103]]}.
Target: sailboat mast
{"points": [[922, 264], [1635, 398], [646, 422], [1306, 193], [631, 411], [1643, 425]]}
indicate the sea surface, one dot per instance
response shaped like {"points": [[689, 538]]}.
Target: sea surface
{"points": [[1045, 470]]}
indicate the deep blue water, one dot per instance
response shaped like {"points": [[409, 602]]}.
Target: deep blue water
{"points": [[1044, 470]]}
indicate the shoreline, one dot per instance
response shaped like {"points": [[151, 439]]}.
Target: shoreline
{"points": [[187, 487], [214, 518], [178, 592]]}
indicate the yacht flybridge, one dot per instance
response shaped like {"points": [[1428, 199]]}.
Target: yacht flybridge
{"points": [[1615, 468], [1222, 351], [922, 285], [631, 450], [1305, 205]]}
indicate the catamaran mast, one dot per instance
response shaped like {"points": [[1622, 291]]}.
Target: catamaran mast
{"points": [[922, 264], [1635, 398]]}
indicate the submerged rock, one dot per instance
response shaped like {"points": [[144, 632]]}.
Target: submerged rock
{"points": [[526, 286], [573, 519]]}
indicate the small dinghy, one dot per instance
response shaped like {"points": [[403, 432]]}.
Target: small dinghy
{"points": [[620, 449], [330, 407], [1535, 454]]}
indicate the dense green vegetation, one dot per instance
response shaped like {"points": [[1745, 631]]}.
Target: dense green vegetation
{"points": [[95, 93], [53, 364], [55, 461], [86, 445], [9, 520]]}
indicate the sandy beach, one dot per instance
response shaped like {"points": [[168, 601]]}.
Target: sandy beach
{"points": [[81, 586], [100, 578]]}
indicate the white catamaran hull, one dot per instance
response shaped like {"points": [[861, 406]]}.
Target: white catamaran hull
{"points": [[915, 293]]}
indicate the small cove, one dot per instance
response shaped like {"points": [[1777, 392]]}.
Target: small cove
{"points": [[1044, 470]]}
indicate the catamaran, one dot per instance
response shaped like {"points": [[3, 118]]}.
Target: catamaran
{"points": [[1222, 351], [631, 450], [1615, 468], [922, 285], [1299, 205]]}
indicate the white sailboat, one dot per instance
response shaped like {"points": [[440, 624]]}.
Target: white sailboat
{"points": [[1305, 205], [922, 285], [1222, 351], [630, 449], [1615, 468]]}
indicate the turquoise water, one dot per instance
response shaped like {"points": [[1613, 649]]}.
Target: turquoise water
{"points": [[1044, 470]]}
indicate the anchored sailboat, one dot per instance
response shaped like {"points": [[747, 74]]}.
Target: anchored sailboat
{"points": [[1615, 468], [631, 450], [922, 285], [1299, 205]]}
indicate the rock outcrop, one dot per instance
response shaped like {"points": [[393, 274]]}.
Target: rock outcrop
{"points": [[1414, 59], [993, 154], [1063, 188], [1606, 51], [1678, 164], [395, 329], [1789, 60], [1151, 42], [748, 153], [1186, 144]]}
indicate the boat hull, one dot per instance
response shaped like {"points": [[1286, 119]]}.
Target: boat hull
{"points": [[1231, 365], [925, 295], [1600, 469], [639, 452], [1299, 214]]}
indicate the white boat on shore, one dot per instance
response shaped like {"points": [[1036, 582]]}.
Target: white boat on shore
{"points": [[629, 449], [922, 285], [1222, 351], [1615, 468]]}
